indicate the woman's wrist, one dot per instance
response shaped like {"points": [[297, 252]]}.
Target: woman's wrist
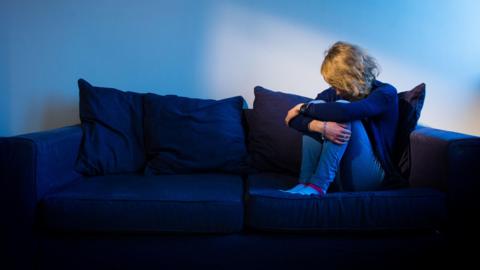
{"points": [[324, 129], [321, 124], [303, 108], [311, 125], [316, 126]]}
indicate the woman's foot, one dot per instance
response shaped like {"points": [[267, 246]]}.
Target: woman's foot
{"points": [[294, 189]]}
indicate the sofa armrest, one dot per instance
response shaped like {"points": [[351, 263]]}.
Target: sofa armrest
{"points": [[443, 159], [450, 162], [34, 164], [39, 162], [31, 165]]}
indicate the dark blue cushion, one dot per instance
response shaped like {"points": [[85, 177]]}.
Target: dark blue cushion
{"points": [[270, 209], [410, 104], [181, 203], [273, 146], [112, 124], [188, 135]]}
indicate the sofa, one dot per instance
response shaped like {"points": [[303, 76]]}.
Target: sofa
{"points": [[54, 217]]}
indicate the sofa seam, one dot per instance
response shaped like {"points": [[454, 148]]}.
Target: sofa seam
{"points": [[140, 200], [351, 197], [339, 228]]}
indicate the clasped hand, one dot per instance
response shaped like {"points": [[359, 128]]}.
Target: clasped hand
{"points": [[335, 132]]}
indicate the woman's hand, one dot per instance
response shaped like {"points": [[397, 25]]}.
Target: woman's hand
{"points": [[292, 113], [335, 132]]}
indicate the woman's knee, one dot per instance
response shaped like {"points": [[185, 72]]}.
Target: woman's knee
{"points": [[316, 101]]}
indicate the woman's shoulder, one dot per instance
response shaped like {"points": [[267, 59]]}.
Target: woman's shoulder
{"points": [[328, 94], [383, 88]]}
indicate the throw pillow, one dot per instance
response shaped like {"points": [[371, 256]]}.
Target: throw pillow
{"points": [[273, 146], [112, 127], [410, 104], [189, 135]]}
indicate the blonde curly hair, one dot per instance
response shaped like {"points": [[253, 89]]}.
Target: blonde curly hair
{"points": [[349, 69]]}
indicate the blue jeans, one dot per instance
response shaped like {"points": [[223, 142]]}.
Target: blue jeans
{"points": [[352, 165]]}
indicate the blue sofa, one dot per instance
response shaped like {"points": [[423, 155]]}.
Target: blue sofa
{"points": [[55, 218]]}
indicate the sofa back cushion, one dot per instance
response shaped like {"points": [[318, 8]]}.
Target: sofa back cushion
{"points": [[188, 135], [273, 146], [112, 139], [410, 104]]}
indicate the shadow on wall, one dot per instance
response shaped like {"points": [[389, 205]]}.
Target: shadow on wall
{"points": [[59, 112]]}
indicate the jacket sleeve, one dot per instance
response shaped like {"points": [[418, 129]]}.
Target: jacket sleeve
{"points": [[375, 104], [300, 123]]}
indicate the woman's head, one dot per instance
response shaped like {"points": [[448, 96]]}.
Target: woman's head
{"points": [[349, 69]]}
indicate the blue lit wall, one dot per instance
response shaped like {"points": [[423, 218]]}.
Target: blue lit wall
{"points": [[218, 49]]}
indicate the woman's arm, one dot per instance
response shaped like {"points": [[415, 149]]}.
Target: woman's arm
{"points": [[300, 122], [375, 104], [335, 132]]}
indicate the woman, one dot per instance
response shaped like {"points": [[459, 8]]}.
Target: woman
{"points": [[356, 118]]}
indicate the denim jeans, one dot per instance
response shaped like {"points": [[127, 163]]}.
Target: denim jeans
{"points": [[352, 165]]}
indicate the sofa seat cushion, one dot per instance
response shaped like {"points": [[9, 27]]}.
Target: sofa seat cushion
{"points": [[202, 202], [267, 208]]}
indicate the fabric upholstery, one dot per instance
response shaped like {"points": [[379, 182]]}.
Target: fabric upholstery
{"points": [[112, 124], [189, 135], [170, 203], [40, 166], [400, 209]]}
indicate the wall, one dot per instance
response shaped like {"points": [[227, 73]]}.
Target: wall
{"points": [[218, 49]]}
